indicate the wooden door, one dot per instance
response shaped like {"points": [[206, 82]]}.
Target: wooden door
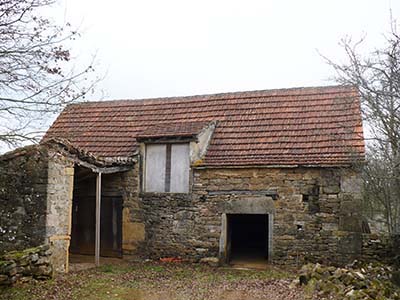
{"points": [[111, 227], [83, 226]]}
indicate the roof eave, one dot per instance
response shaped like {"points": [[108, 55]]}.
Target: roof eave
{"points": [[276, 166]]}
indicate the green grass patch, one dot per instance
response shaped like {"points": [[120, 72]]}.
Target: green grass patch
{"points": [[14, 293], [108, 269], [115, 269], [234, 274], [101, 289], [154, 268]]}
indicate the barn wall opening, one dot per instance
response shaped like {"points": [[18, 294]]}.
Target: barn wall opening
{"points": [[84, 217], [247, 237]]}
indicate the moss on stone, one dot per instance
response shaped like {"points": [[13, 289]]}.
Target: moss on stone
{"points": [[17, 255], [4, 263], [370, 281]]}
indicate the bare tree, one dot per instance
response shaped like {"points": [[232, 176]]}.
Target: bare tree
{"points": [[377, 77], [36, 76]]}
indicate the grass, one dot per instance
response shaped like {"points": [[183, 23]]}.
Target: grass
{"points": [[104, 289], [89, 287], [140, 281], [154, 268]]}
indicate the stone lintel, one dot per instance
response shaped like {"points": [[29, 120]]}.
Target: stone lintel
{"points": [[269, 193], [250, 205]]}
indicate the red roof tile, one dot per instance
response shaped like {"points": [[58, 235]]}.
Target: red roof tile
{"points": [[301, 126], [170, 130]]}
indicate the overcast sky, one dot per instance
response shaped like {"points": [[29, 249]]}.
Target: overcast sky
{"points": [[169, 48], [159, 48]]}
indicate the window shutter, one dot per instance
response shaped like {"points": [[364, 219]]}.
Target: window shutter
{"points": [[155, 168], [180, 166]]}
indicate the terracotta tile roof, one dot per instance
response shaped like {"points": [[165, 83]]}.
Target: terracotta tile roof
{"points": [[170, 130], [300, 126]]}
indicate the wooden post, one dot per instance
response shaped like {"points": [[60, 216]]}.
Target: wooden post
{"points": [[98, 209]]}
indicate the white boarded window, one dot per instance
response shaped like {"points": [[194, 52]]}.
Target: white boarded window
{"points": [[167, 168], [180, 168], [155, 168]]}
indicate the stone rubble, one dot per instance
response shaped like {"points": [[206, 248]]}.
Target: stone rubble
{"points": [[211, 261], [356, 281], [22, 265]]}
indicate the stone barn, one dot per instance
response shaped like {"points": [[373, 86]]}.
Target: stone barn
{"points": [[267, 174]]}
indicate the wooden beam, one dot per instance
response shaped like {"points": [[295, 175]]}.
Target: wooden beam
{"points": [[79, 178], [104, 170], [98, 209]]}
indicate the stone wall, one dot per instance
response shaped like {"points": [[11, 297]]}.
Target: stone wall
{"points": [[36, 191], [381, 248], [375, 248], [23, 194], [175, 226], [59, 208], [133, 228], [35, 201], [29, 263], [315, 213]]}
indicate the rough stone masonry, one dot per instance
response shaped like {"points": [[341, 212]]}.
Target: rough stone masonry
{"points": [[23, 194], [35, 201], [316, 213]]}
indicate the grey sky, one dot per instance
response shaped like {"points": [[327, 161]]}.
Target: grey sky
{"points": [[168, 48], [158, 48]]}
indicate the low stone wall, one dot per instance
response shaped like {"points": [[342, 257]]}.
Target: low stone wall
{"points": [[375, 248], [29, 263], [380, 248]]}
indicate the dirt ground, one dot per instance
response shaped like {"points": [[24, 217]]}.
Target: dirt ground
{"points": [[162, 281]]}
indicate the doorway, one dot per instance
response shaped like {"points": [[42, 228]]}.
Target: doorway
{"points": [[247, 238], [84, 218]]}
